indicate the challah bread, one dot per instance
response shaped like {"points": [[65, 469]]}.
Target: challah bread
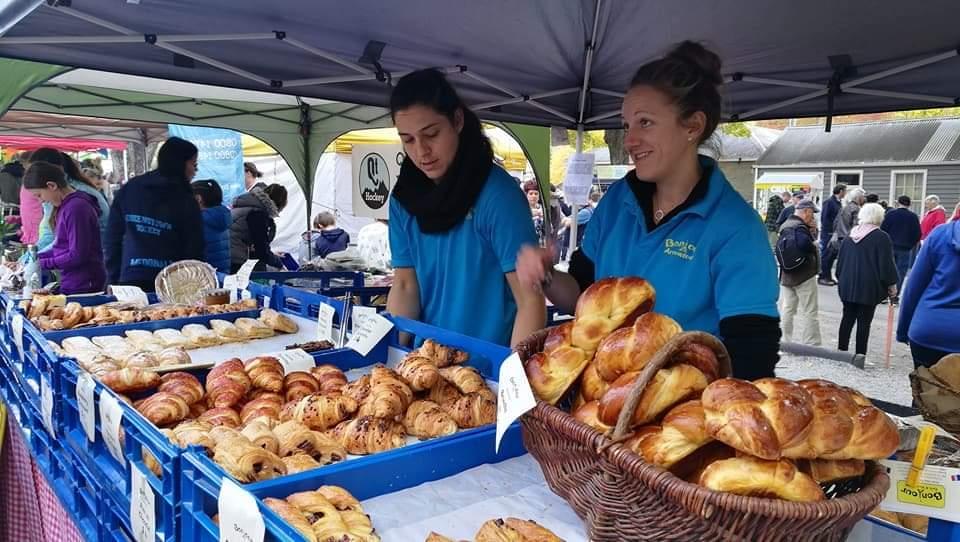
{"points": [[761, 418], [683, 431], [592, 387], [828, 470], [629, 349], [587, 413], [606, 305], [755, 477]]}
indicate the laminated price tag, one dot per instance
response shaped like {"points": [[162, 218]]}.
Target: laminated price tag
{"points": [[130, 294], [245, 294], [515, 396], [360, 314], [240, 518], [46, 406], [16, 326], [85, 385], [243, 274], [371, 331], [231, 284], [266, 301], [325, 316], [296, 360], [110, 417], [143, 515]]}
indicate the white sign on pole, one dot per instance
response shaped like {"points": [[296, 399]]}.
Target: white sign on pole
{"points": [[359, 314], [371, 331], [515, 396], [325, 316], [375, 170], [579, 178]]}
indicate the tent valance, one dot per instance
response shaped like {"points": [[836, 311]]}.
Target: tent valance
{"points": [[811, 180], [21, 143]]}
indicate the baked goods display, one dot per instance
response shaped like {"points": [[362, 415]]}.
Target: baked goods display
{"points": [[327, 514], [274, 422], [507, 530], [770, 438], [914, 522], [164, 347], [312, 346], [936, 392], [53, 313]]}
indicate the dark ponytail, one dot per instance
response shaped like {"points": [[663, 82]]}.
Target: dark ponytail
{"points": [[690, 74], [430, 88], [64, 162]]}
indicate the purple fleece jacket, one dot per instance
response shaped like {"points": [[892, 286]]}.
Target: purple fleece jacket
{"points": [[77, 251]]}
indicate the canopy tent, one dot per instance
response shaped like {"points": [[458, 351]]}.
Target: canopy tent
{"points": [[791, 180], [30, 143], [533, 61], [298, 128], [23, 123]]}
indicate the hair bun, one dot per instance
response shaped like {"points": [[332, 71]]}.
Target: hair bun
{"points": [[706, 61]]}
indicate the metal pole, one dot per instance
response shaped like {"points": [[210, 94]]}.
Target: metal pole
{"points": [[126, 172], [573, 208]]}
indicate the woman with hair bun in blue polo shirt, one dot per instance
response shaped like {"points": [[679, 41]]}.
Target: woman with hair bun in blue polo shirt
{"points": [[676, 221], [457, 221]]}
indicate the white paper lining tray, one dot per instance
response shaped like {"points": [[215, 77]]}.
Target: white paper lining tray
{"points": [[249, 349]]}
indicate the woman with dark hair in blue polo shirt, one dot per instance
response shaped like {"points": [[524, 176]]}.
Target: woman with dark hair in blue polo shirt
{"points": [[457, 220], [676, 221]]}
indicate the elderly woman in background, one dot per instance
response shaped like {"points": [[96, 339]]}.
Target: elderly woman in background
{"points": [[934, 216], [867, 275]]}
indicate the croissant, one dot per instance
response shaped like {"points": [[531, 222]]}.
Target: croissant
{"points": [[350, 510], [418, 372], [221, 416], [668, 387], [473, 410], [130, 380], [425, 419], [261, 435], [442, 356], [588, 414], [294, 438], [367, 435], [246, 462], [629, 349], [183, 384], [358, 390], [325, 520], [300, 462], [227, 383], [194, 433], [444, 393], [263, 406], [197, 409], [141, 359], [163, 408], [292, 515], [319, 412], [682, 432], [298, 385], [605, 306], [498, 530], [760, 478], [272, 396], [265, 372], [389, 396], [467, 380], [278, 322], [331, 379]]}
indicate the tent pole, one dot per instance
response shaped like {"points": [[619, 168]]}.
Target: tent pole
{"points": [[126, 172]]}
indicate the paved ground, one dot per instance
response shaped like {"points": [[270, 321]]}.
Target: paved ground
{"points": [[875, 380]]}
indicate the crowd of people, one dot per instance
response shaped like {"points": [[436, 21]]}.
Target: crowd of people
{"points": [[875, 248]]}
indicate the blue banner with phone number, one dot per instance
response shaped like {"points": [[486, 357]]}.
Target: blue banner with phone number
{"points": [[220, 156]]}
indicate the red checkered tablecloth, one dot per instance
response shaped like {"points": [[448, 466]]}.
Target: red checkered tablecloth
{"points": [[31, 511]]}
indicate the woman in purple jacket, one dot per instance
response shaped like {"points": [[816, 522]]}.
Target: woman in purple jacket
{"points": [[77, 251]]}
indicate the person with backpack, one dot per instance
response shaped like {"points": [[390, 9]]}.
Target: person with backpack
{"points": [[799, 262]]}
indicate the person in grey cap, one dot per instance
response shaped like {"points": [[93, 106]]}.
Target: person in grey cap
{"points": [[799, 263]]}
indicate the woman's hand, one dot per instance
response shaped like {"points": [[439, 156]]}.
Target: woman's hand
{"points": [[534, 266]]}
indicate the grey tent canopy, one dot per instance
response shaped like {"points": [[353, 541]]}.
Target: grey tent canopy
{"points": [[545, 62]]}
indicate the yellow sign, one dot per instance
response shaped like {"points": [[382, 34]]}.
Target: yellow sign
{"points": [[931, 495]]}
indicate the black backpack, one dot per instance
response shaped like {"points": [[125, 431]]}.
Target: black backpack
{"points": [[788, 252]]}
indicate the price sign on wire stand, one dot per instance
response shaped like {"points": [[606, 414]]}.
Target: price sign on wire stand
{"points": [[515, 397], [240, 517], [371, 331], [130, 294], [361, 313], [325, 314], [296, 359], [85, 385], [143, 515], [243, 274]]}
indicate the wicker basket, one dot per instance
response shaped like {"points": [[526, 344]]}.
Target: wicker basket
{"points": [[621, 498]]}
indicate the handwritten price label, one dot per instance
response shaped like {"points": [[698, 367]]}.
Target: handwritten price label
{"points": [[515, 395], [240, 518]]}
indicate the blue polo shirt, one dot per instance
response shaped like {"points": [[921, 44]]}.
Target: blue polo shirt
{"points": [[461, 271], [710, 261]]}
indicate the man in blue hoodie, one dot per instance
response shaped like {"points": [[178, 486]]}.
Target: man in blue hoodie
{"points": [[930, 306], [903, 227], [216, 223]]}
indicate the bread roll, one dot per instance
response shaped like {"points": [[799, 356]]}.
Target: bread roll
{"points": [[755, 477]]}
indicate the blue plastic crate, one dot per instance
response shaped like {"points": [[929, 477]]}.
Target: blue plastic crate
{"points": [[325, 277], [37, 364], [365, 478], [87, 498], [306, 304]]}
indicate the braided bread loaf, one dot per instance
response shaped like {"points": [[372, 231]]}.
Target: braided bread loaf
{"points": [[606, 305]]}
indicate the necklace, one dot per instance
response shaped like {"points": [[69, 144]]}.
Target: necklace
{"points": [[658, 215]]}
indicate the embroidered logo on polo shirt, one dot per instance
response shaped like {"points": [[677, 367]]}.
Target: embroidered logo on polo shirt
{"points": [[681, 249]]}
